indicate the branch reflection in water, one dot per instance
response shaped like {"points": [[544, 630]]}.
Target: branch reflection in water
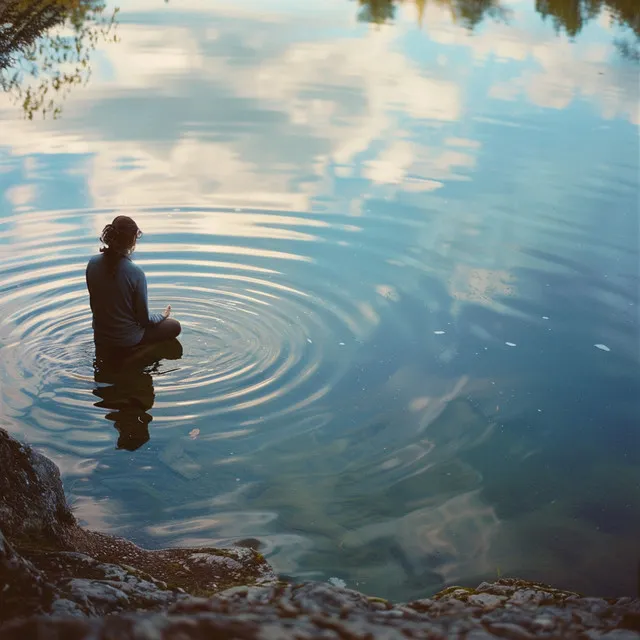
{"points": [[46, 48], [124, 384]]}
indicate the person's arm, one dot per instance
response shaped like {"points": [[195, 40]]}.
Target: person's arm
{"points": [[141, 304]]}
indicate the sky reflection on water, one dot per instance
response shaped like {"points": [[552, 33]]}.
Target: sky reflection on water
{"points": [[394, 249]]}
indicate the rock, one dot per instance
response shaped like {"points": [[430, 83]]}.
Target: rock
{"points": [[317, 610], [61, 582], [32, 501], [509, 630], [314, 610], [49, 564], [486, 600], [616, 634], [23, 588]]}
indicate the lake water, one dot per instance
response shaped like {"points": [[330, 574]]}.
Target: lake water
{"points": [[403, 244]]}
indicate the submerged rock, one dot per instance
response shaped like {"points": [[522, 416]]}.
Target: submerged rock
{"points": [[59, 581]]}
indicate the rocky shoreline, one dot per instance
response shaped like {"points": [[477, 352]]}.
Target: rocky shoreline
{"points": [[58, 580]]}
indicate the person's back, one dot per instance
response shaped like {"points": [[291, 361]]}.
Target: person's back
{"points": [[116, 319], [118, 293]]}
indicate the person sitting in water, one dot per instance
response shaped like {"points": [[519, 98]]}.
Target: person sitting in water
{"points": [[118, 293]]}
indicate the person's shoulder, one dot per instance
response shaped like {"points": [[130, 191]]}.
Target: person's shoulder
{"points": [[94, 260], [132, 268]]}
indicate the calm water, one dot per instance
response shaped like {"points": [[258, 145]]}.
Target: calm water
{"points": [[405, 256]]}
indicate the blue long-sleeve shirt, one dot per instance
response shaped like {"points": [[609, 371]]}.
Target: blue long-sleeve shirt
{"points": [[118, 302]]}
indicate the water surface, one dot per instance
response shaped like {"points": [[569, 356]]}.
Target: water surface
{"points": [[403, 244]]}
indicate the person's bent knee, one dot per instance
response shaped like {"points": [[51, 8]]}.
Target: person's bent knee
{"points": [[175, 327]]}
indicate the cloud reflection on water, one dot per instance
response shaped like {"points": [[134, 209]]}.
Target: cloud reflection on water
{"points": [[403, 177]]}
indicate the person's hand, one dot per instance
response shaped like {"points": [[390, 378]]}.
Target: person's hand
{"points": [[167, 312]]}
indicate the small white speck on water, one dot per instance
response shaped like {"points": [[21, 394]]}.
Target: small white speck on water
{"points": [[237, 479], [309, 341], [439, 333], [602, 347], [545, 317], [176, 209], [510, 344], [341, 344]]}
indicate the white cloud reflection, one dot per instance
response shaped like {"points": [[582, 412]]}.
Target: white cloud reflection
{"points": [[281, 112], [220, 105]]}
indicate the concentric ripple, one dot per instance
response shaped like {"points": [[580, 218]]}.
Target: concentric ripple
{"points": [[267, 328]]}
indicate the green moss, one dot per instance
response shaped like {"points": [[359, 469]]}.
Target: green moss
{"points": [[468, 591], [383, 601]]}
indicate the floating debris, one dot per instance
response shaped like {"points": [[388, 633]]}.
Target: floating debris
{"points": [[309, 341], [510, 344], [545, 317], [194, 433], [439, 333], [602, 347]]}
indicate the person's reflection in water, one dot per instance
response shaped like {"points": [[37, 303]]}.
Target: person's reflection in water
{"points": [[124, 384]]}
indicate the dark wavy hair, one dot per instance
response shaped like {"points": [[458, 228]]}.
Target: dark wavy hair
{"points": [[119, 238]]}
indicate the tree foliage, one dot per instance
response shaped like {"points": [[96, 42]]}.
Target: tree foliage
{"points": [[46, 45], [45, 49], [569, 16]]}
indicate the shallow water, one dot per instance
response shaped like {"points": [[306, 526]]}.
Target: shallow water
{"points": [[405, 257]]}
